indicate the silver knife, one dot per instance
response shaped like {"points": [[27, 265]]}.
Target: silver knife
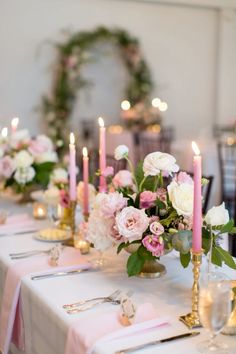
{"points": [[19, 232], [59, 274], [156, 342]]}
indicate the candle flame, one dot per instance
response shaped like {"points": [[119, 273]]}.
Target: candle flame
{"points": [[195, 148], [101, 122], [72, 138], [85, 152], [125, 105], [4, 132], [15, 122]]}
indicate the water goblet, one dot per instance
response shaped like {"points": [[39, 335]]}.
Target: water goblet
{"points": [[214, 310]]}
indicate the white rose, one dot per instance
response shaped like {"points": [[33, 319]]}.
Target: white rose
{"points": [[24, 175], [217, 215], [121, 152], [181, 197], [159, 161], [59, 175], [99, 231], [50, 156], [21, 136], [23, 159]]}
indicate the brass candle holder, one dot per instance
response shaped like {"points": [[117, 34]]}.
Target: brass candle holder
{"points": [[191, 320], [68, 222]]}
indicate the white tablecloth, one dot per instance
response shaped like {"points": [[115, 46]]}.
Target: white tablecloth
{"points": [[46, 323]]}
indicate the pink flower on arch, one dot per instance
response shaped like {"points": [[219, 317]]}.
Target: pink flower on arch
{"points": [[154, 244]]}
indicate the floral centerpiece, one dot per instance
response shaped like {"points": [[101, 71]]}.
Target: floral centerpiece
{"points": [[26, 161], [151, 208]]}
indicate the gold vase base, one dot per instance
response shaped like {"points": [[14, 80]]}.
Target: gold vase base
{"points": [[190, 320], [152, 269]]}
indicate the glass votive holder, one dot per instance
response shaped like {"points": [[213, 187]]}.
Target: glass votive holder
{"points": [[39, 211], [82, 245]]}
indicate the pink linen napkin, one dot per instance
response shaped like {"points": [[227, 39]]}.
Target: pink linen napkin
{"points": [[84, 333], [17, 223], [11, 324]]}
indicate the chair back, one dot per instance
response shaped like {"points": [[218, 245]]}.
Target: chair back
{"points": [[116, 164], [227, 163], [150, 142]]}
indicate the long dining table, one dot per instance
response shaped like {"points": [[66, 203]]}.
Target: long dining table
{"points": [[46, 323]]}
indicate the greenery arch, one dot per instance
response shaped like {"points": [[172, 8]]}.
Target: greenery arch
{"points": [[57, 107]]}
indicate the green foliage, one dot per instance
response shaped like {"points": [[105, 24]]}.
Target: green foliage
{"points": [[134, 264], [185, 259], [227, 227], [182, 241]]}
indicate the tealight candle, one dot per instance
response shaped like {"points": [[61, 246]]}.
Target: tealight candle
{"points": [[83, 246], [39, 211]]}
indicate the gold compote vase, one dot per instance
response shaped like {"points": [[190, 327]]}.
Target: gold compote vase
{"points": [[151, 268]]}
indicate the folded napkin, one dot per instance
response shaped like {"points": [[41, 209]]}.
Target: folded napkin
{"points": [[17, 223], [85, 333], [11, 324]]}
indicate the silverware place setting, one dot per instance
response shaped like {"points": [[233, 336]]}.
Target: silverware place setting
{"points": [[131, 349], [62, 274], [84, 305]]}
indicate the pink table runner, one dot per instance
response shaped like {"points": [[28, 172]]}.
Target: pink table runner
{"points": [[11, 323], [85, 333]]}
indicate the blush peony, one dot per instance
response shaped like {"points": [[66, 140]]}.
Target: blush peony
{"points": [[157, 162], [123, 179], [147, 199]]}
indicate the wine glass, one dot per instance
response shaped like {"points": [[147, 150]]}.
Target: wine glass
{"points": [[214, 310]]}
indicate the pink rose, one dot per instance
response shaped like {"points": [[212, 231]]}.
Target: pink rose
{"points": [[183, 177], [112, 203], [161, 194], [156, 228], [7, 166], [131, 223], [154, 244], [64, 199], [122, 179], [147, 199], [40, 145], [108, 172]]}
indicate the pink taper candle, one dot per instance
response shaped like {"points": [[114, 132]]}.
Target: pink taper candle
{"points": [[14, 124], [102, 155], [197, 205], [72, 168], [86, 181]]}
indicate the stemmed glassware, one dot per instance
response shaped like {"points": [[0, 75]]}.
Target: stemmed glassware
{"points": [[214, 310]]}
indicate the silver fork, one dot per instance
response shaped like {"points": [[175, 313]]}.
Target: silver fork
{"points": [[27, 254], [114, 301], [100, 298]]}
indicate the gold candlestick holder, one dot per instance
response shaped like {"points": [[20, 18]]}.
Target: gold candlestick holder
{"points": [[68, 222], [191, 320]]}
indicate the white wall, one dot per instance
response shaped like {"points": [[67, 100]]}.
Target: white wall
{"points": [[180, 44]]}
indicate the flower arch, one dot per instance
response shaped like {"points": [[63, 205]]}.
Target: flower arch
{"points": [[58, 105]]}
